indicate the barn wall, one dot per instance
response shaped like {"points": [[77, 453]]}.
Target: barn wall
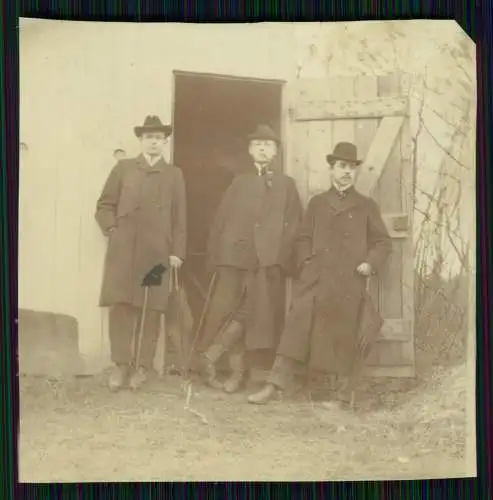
{"points": [[84, 86], [441, 59]]}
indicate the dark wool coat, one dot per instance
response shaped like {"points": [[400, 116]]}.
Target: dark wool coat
{"points": [[255, 225], [336, 236], [147, 207], [253, 232]]}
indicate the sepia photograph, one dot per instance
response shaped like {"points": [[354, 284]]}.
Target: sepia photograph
{"points": [[246, 252]]}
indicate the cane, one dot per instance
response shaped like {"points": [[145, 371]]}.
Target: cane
{"points": [[205, 309], [153, 278], [174, 286], [364, 341]]}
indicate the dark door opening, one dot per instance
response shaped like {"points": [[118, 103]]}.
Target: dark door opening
{"points": [[212, 117]]}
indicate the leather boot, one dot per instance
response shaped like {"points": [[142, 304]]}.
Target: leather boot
{"points": [[266, 394], [138, 378], [237, 365], [117, 377], [207, 365], [345, 397], [227, 337]]}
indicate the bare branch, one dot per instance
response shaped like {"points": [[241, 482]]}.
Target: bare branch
{"points": [[442, 147], [455, 126], [442, 94]]}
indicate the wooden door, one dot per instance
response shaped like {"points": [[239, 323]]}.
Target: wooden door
{"points": [[372, 112]]}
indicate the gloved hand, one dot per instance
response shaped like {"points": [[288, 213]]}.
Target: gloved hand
{"points": [[175, 262]]}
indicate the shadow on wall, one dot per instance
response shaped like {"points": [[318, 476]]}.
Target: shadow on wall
{"points": [[48, 344]]}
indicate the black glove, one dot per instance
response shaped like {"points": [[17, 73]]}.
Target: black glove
{"points": [[155, 276]]}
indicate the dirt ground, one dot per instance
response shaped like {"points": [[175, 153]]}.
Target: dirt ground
{"points": [[75, 430]]}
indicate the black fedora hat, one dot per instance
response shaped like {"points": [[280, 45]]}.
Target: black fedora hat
{"points": [[344, 151], [264, 132], [153, 124]]}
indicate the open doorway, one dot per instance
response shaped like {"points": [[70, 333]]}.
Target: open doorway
{"points": [[212, 117]]}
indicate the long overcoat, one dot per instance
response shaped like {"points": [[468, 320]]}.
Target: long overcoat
{"points": [[146, 206], [337, 234], [254, 231]]}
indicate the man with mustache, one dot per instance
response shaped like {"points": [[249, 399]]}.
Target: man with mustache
{"points": [[342, 242], [250, 250], [142, 211]]}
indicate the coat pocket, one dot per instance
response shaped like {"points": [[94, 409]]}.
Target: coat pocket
{"points": [[129, 200]]}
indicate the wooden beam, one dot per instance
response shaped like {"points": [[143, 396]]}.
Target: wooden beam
{"points": [[379, 152], [397, 224], [350, 110], [395, 330], [403, 371]]}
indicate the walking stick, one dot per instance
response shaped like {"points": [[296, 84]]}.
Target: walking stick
{"points": [[170, 333], [153, 278], [205, 309]]}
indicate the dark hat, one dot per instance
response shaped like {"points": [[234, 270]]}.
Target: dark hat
{"points": [[345, 151], [153, 124], [263, 132]]}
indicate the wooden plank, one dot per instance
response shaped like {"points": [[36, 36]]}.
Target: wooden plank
{"points": [[312, 89], [379, 153], [298, 167], [397, 224], [288, 151], [388, 353], [404, 371], [37, 209], [66, 236], [342, 130], [395, 330], [365, 88], [315, 110], [92, 320], [315, 143], [407, 196], [390, 184], [317, 149]]}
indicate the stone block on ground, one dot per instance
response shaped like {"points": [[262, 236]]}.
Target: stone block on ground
{"points": [[48, 344]]}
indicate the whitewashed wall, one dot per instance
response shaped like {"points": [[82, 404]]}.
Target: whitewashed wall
{"points": [[85, 85]]}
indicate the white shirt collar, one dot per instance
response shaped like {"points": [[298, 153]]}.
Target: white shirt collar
{"points": [[260, 168], [342, 189], [152, 160]]}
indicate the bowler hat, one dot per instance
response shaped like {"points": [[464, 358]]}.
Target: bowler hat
{"points": [[344, 151], [263, 132], [153, 124]]}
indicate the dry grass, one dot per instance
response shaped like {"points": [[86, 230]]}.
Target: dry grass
{"points": [[77, 431]]}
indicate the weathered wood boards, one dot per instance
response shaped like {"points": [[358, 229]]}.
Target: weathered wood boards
{"points": [[351, 109], [372, 112]]}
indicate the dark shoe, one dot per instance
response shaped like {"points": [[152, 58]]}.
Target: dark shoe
{"points": [[138, 378], [208, 371], [117, 377], [342, 401], [266, 394], [234, 382], [237, 365]]}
